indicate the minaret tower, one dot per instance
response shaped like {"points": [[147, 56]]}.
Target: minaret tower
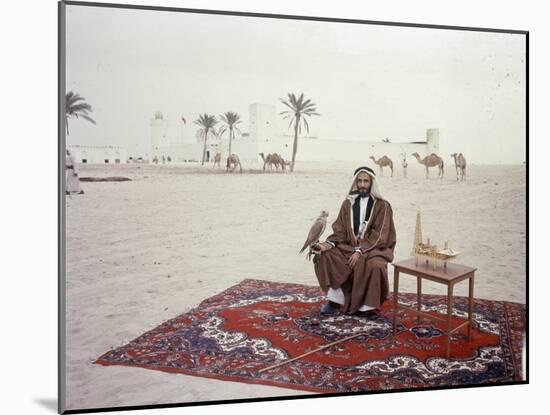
{"points": [[417, 233], [159, 130]]}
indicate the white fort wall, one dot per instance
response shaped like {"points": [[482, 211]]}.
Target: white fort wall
{"points": [[265, 131], [246, 148], [98, 154], [341, 150], [266, 135]]}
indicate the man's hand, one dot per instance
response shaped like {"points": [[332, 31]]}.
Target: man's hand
{"points": [[353, 259], [321, 246]]}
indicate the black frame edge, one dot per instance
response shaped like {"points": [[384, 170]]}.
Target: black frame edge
{"points": [[287, 398], [291, 17], [61, 301], [526, 368]]}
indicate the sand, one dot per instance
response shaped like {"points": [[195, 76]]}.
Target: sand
{"points": [[144, 251]]}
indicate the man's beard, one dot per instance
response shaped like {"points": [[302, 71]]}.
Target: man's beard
{"points": [[363, 192]]}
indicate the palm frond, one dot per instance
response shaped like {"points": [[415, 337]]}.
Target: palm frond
{"points": [[293, 109], [306, 124], [76, 107], [72, 102], [206, 121], [83, 107], [71, 98], [291, 121], [88, 118], [231, 118], [310, 107], [291, 98], [300, 108]]}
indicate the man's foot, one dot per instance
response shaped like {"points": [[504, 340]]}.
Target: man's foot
{"points": [[330, 308], [367, 314]]}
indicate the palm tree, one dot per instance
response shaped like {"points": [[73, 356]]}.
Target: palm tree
{"points": [[207, 122], [76, 107], [231, 119], [299, 109]]}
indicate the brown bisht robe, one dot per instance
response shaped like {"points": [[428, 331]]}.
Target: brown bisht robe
{"points": [[367, 283]]}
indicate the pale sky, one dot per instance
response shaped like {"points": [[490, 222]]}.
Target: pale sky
{"points": [[368, 81]]}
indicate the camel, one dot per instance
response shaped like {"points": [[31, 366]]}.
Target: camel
{"points": [[278, 160], [217, 159], [232, 162], [432, 160], [383, 162], [266, 160], [273, 160], [460, 165]]}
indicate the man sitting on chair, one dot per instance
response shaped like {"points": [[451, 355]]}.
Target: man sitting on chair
{"points": [[352, 264]]}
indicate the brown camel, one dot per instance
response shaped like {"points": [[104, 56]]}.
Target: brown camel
{"points": [[217, 159], [273, 160], [232, 162], [460, 165], [383, 162], [266, 160], [278, 160], [432, 160]]}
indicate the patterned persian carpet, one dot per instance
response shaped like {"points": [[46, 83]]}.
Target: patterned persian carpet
{"points": [[256, 324]]}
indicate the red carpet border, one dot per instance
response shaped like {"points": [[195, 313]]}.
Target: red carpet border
{"points": [[256, 324]]}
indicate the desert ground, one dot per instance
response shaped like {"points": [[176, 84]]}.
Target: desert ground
{"points": [[143, 251]]}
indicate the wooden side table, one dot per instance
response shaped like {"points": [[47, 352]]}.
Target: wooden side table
{"points": [[449, 276]]}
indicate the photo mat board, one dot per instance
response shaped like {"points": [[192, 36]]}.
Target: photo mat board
{"points": [[181, 281]]}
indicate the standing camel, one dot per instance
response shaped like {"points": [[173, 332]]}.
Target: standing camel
{"points": [[383, 162], [217, 159], [460, 165], [232, 162], [266, 160], [432, 160], [272, 160], [278, 160]]}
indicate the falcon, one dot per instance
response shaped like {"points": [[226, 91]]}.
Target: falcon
{"points": [[316, 230]]}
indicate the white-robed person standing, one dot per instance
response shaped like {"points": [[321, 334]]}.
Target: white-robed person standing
{"points": [[72, 182]]}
